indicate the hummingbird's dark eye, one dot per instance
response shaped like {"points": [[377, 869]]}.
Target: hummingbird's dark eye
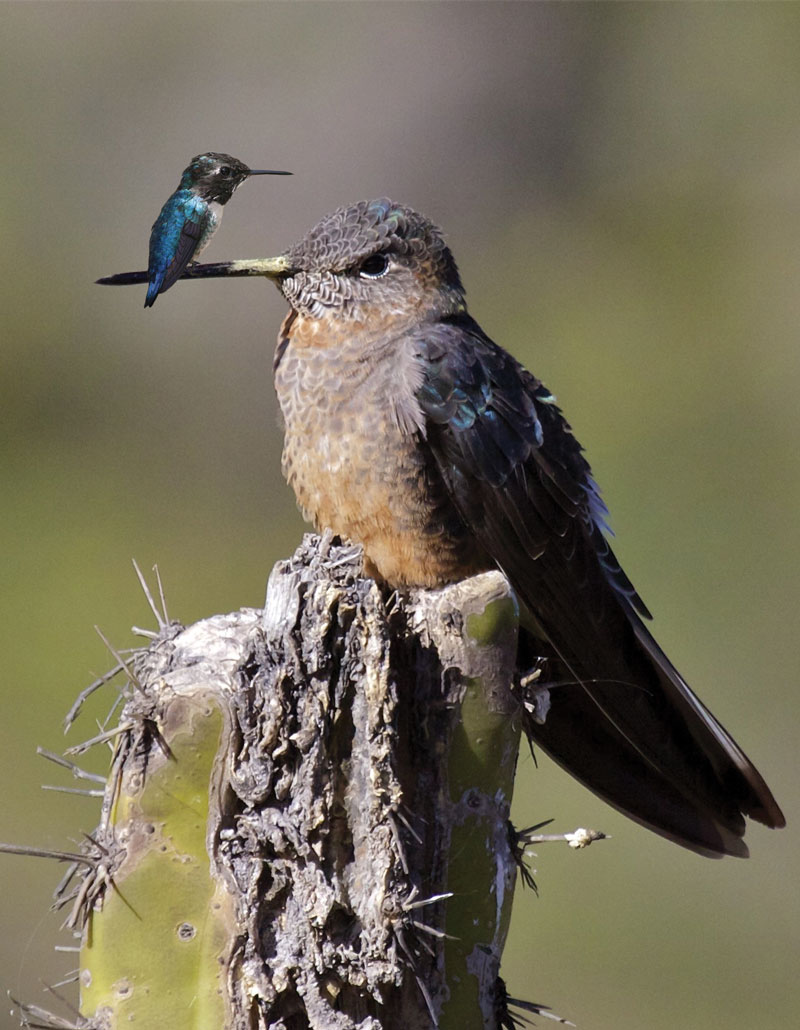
{"points": [[374, 266], [225, 170]]}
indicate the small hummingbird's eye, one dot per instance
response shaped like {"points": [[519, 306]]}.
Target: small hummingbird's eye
{"points": [[374, 266], [225, 170]]}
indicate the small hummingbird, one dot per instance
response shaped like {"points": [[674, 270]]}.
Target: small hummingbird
{"points": [[191, 216]]}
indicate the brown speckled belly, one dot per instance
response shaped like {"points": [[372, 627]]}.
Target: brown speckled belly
{"points": [[356, 471]]}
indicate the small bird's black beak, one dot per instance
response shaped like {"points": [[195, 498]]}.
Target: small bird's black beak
{"points": [[266, 171]]}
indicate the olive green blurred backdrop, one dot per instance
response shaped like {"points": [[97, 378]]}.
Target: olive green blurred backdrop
{"points": [[620, 187]]}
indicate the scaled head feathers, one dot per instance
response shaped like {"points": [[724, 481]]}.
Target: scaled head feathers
{"points": [[374, 256]]}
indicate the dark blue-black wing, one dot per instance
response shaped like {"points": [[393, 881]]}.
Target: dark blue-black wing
{"points": [[188, 241], [621, 719]]}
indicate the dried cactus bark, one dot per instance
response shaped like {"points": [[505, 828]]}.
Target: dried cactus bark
{"points": [[306, 825]]}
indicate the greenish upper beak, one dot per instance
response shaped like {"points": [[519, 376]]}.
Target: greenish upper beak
{"points": [[273, 268]]}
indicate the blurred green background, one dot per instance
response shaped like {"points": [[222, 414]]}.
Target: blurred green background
{"points": [[620, 187]]}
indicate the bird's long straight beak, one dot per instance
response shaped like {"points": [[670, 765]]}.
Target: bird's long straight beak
{"points": [[267, 171], [270, 268]]}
